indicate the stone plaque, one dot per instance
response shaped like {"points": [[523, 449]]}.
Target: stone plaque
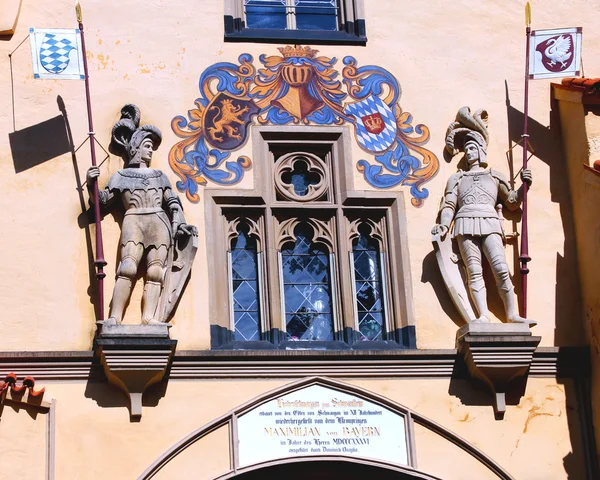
{"points": [[321, 421]]}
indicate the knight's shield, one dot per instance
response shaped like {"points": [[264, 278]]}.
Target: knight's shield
{"points": [[179, 266], [375, 124], [54, 53], [453, 274], [226, 121]]}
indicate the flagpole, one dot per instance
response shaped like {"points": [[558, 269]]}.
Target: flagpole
{"points": [[99, 262], [524, 257]]}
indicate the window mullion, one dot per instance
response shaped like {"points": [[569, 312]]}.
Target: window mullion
{"points": [[387, 313], [354, 292], [231, 299], [290, 14], [333, 285], [282, 315], [262, 304]]}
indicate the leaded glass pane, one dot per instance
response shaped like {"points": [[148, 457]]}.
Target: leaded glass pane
{"points": [[244, 277], [265, 14], [316, 14], [307, 291], [368, 286]]}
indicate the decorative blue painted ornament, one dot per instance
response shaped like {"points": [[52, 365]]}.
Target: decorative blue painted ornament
{"points": [[299, 87]]}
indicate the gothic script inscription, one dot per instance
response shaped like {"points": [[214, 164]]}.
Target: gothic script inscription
{"points": [[320, 421]]}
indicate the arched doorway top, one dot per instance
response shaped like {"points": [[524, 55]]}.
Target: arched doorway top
{"points": [[411, 417]]}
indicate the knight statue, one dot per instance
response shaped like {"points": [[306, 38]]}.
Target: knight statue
{"points": [[470, 218], [154, 230]]}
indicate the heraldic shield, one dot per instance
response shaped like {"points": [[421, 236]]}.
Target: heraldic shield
{"points": [[179, 266], [375, 124], [54, 53], [454, 274], [226, 121]]}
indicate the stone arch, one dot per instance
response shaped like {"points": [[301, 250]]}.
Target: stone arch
{"points": [[229, 421]]}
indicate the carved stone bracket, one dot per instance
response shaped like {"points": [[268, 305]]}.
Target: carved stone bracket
{"points": [[498, 354], [134, 357]]}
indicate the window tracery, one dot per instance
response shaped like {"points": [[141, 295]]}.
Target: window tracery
{"points": [[310, 265]]}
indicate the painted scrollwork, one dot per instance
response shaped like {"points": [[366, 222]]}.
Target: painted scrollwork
{"points": [[301, 177]]}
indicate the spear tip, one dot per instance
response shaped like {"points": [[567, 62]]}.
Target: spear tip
{"points": [[527, 14], [78, 12]]}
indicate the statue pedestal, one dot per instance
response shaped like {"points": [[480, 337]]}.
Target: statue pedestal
{"points": [[135, 357], [497, 354]]}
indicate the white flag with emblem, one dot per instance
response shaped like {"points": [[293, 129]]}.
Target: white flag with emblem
{"points": [[555, 53], [56, 53]]}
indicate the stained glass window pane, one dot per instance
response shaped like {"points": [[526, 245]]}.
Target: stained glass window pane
{"points": [[368, 285], [265, 14], [244, 276], [307, 290], [316, 14], [300, 178]]}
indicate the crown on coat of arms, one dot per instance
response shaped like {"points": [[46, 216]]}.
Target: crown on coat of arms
{"points": [[373, 123], [297, 51]]}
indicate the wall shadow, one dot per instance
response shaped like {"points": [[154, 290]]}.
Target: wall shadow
{"points": [[569, 330], [431, 274], [39, 143], [546, 141], [83, 220]]}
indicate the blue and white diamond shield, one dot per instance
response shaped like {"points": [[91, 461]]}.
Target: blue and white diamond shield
{"points": [[56, 53], [375, 124]]}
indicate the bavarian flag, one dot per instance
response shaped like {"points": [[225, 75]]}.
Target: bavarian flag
{"points": [[56, 53]]}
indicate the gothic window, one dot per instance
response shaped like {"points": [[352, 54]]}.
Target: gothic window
{"points": [[369, 290], [245, 287], [310, 264], [306, 280]]}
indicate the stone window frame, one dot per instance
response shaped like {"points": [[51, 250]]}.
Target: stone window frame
{"points": [[352, 28], [261, 203]]}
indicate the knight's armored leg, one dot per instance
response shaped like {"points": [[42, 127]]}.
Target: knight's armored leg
{"points": [[470, 251], [131, 255], [493, 246], [157, 259]]}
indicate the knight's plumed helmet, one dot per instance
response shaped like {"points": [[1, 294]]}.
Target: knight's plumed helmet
{"points": [[127, 135], [468, 127]]}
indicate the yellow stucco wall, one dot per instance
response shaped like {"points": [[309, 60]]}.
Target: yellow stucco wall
{"points": [[581, 135], [152, 53], [95, 439]]}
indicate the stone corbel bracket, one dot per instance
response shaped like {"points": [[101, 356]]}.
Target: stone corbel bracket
{"points": [[498, 354], [134, 357]]}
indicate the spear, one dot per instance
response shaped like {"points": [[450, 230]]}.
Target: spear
{"points": [[524, 256], [99, 262]]}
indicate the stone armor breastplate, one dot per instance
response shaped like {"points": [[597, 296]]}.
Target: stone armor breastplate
{"points": [[145, 199], [477, 189]]}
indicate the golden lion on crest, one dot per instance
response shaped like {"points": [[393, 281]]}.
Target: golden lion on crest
{"points": [[229, 113]]}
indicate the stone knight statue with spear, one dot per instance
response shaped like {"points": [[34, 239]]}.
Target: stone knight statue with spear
{"points": [[471, 216], [153, 229]]}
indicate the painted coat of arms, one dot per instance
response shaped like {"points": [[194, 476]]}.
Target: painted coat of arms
{"points": [[555, 53], [299, 87]]}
